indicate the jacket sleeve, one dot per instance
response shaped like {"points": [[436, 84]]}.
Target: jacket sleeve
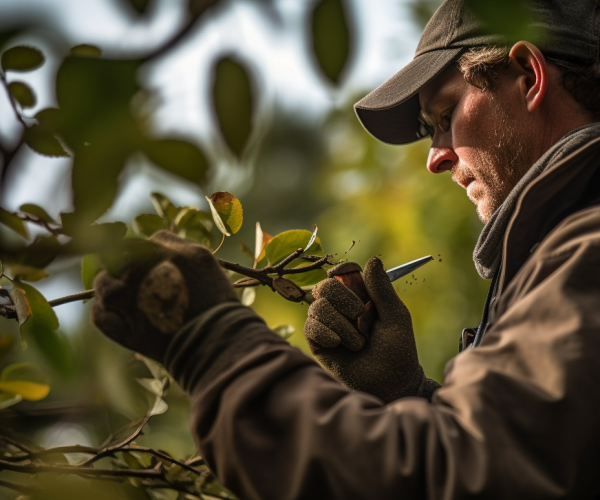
{"points": [[517, 417]]}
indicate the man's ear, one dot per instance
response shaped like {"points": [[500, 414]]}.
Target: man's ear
{"points": [[528, 60]]}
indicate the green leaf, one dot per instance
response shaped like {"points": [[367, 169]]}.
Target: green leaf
{"points": [[8, 399], [139, 5], [95, 180], [49, 119], [85, 50], [25, 379], [306, 279], [36, 211], [11, 220], [233, 103], [44, 143], [148, 224], [285, 331], [31, 260], [287, 242], [193, 224], [331, 38], [227, 212], [23, 94], [511, 19], [43, 320], [22, 58], [164, 207], [179, 157], [90, 267]]}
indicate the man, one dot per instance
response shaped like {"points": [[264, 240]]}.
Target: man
{"points": [[518, 415]]}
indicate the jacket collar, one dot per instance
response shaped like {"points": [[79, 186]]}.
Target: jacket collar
{"points": [[556, 193]]}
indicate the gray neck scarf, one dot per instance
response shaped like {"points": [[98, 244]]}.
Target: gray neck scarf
{"points": [[488, 251]]}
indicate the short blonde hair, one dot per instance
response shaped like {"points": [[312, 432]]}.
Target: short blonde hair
{"points": [[480, 67]]}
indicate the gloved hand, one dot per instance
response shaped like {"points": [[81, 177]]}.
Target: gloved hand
{"points": [[151, 301], [385, 365]]}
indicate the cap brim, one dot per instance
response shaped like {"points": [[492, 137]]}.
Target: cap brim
{"points": [[390, 112]]}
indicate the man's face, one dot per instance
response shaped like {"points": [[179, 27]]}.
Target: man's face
{"points": [[481, 137]]}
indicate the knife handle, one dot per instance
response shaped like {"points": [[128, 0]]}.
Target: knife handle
{"points": [[349, 275]]}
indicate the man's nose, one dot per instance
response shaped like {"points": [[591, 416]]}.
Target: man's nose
{"points": [[440, 160]]}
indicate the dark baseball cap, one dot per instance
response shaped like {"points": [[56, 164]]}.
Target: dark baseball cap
{"points": [[564, 29]]}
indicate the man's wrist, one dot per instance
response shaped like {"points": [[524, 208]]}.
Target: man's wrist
{"points": [[214, 340]]}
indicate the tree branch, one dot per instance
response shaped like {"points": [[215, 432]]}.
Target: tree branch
{"points": [[88, 294]]}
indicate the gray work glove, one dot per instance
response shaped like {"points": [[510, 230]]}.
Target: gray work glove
{"points": [[151, 301], [385, 365]]}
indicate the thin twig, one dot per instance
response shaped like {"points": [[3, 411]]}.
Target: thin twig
{"points": [[304, 269], [76, 469], [88, 294], [56, 231]]}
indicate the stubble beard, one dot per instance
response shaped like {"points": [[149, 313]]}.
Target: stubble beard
{"points": [[500, 166]]}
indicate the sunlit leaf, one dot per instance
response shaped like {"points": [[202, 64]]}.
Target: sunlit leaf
{"points": [[261, 240], [21, 58], [248, 296], [285, 331], [233, 103], [44, 143], [157, 370], [331, 37], [163, 206], [8, 399], [152, 385], [26, 380], [28, 273], [85, 50], [11, 220], [179, 157], [159, 407], [148, 224], [36, 211], [30, 391], [90, 267], [227, 212], [23, 94], [287, 242], [312, 239]]}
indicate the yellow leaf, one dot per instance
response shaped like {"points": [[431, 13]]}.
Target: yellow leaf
{"points": [[30, 391]]}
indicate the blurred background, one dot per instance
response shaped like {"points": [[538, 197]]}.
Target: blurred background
{"points": [[307, 161]]}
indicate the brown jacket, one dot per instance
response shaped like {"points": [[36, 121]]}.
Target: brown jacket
{"points": [[517, 417]]}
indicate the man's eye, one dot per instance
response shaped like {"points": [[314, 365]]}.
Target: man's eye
{"points": [[446, 120]]}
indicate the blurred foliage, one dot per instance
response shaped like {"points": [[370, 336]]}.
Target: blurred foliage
{"points": [[365, 198]]}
